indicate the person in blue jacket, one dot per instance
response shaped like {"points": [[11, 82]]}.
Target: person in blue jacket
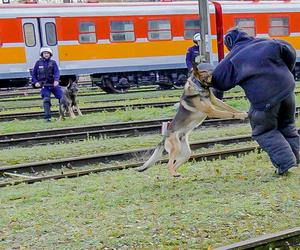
{"points": [[193, 57], [263, 68], [45, 74]]}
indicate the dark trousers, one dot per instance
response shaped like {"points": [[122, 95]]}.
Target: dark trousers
{"points": [[46, 93], [276, 133], [218, 93]]}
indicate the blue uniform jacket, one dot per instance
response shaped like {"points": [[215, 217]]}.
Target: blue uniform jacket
{"points": [[45, 63], [261, 67], [191, 54]]}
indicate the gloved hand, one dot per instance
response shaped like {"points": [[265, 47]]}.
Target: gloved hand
{"points": [[37, 85], [55, 83]]}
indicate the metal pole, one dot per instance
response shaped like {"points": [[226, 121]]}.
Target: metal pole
{"points": [[203, 15]]}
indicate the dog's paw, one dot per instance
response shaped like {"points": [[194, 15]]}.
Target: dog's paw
{"points": [[241, 116], [176, 175], [141, 169]]}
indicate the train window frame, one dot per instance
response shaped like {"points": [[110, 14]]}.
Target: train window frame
{"points": [[25, 37], [84, 33], [188, 29], [55, 33], [245, 28], [158, 30], [279, 26], [124, 31]]}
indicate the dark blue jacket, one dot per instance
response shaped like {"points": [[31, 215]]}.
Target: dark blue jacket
{"points": [[191, 55], [45, 71], [261, 67]]}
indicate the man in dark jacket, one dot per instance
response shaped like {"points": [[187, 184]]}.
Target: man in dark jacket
{"points": [[263, 69], [193, 57], [45, 74]]}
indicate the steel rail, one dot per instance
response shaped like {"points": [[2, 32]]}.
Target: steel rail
{"points": [[6, 98], [110, 157], [288, 239], [122, 129], [81, 161], [111, 108]]}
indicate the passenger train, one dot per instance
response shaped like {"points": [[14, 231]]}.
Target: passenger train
{"points": [[123, 44]]}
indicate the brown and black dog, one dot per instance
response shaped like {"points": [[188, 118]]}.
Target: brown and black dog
{"points": [[196, 104], [68, 103]]}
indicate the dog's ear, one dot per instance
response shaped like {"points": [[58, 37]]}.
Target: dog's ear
{"points": [[69, 84], [195, 69]]}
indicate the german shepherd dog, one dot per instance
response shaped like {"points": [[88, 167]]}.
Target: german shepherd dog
{"points": [[68, 103], [196, 104]]}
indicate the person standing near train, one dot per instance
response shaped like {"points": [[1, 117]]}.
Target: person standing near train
{"points": [[193, 57], [46, 75], [263, 68]]}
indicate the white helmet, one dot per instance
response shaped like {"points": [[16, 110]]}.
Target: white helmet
{"points": [[46, 49], [196, 38]]}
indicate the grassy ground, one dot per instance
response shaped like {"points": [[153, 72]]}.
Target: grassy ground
{"points": [[32, 106], [17, 155], [101, 117], [86, 99], [214, 204]]}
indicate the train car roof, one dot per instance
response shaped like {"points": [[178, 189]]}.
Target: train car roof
{"points": [[136, 9]]}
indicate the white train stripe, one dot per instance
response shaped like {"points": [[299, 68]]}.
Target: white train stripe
{"points": [[70, 42], [11, 45], [103, 41], [153, 9], [142, 40]]}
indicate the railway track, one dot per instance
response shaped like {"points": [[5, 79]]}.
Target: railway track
{"points": [[121, 129], [2, 107], [25, 171], [39, 114], [6, 97], [288, 239]]}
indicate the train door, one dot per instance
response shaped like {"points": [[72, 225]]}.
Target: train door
{"points": [[31, 40], [49, 36], [39, 32]]}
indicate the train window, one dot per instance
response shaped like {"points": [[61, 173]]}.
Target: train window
{"points": [[159, 30], [247, 24], [29, 34], [51, 34], [87, 32], [121, 31], [279, 26], [191, 27]]}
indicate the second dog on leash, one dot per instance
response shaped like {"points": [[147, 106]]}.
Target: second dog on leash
{"points": [[68, 103]]}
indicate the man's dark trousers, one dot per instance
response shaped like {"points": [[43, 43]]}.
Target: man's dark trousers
{"points": [[276, 133]]}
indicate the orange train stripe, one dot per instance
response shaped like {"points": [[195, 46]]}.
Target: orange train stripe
{"points": [[122, 50], [12, 55]]}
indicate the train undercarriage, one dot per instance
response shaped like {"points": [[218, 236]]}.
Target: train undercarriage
{"points": [[121, 82]]}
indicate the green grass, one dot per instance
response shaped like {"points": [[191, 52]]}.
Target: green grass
{"points": [[100, 117], [101, 104], [17, 155], [86, 99], [88, 119], [213, 204]]}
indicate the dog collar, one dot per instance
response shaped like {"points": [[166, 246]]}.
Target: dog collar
{"points": [[199, 84]]}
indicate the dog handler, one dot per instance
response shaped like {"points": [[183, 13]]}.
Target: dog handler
{"points": [[263, 67], [193, 57], [46, 75]]}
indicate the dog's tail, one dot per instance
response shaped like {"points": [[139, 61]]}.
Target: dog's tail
{"points": [[154, 157]]}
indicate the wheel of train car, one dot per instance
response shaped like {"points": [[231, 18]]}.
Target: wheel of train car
{"points": [[108, 86], [168, 84], [182, 78]]}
